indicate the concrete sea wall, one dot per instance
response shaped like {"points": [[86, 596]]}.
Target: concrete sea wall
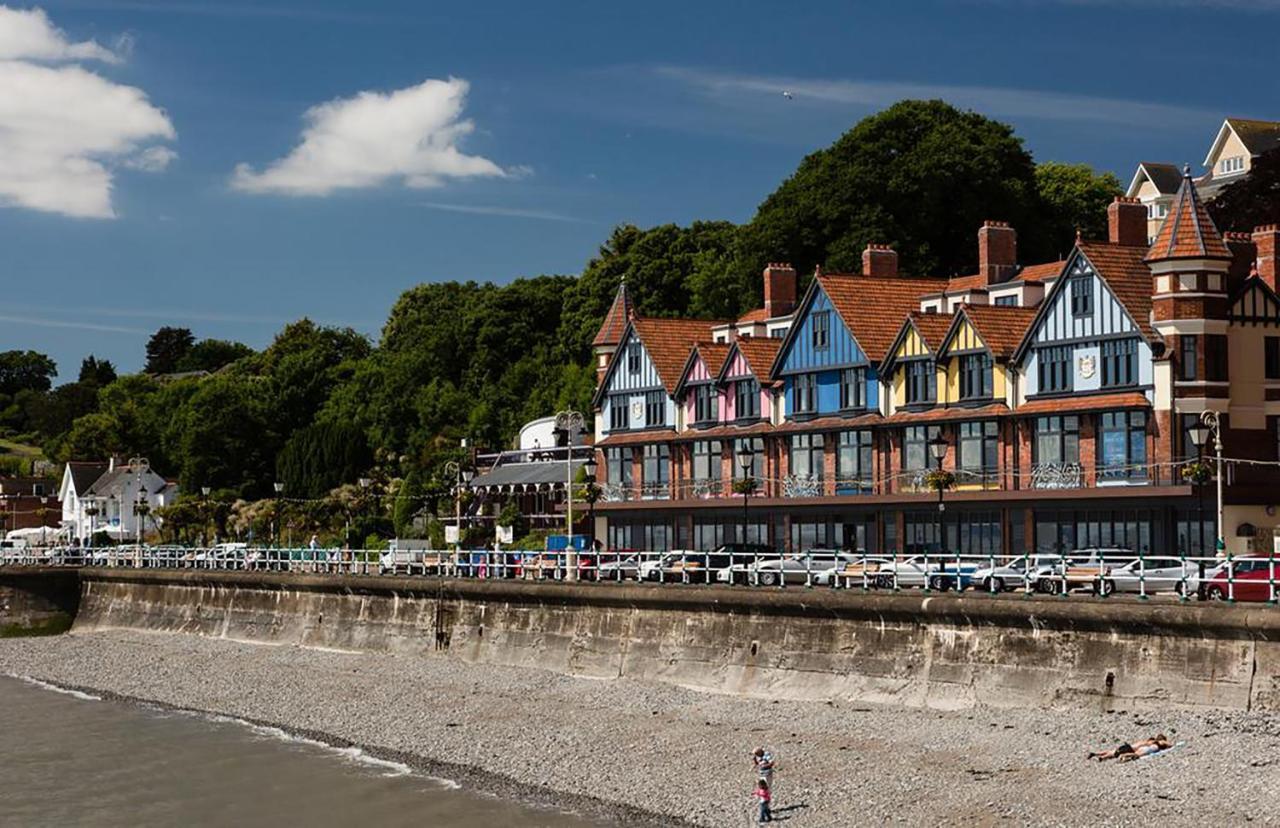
{"points": [[938, 651], [38, 601]]}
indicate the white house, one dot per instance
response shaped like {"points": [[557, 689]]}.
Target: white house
{"points": [[104, 497]]}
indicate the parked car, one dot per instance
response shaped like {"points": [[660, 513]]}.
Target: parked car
{"points": [[744, 560], [906, 572], [697, 567], [1154, 574], [797, 568], [1250, 580], [619, 566], [652, 566], [851, 573], [1082, 568], [950, 575], [1015, 574]]}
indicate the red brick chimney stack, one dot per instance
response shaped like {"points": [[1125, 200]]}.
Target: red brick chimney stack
{"points": [[780, 289], [879, 260], [1266, 238], [1127, 222], [997, 252]]}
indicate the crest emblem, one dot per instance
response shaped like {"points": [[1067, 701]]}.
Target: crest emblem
{"points": [[1088, 366], [637, 410]]}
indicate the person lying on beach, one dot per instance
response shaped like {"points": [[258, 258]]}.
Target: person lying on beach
{"points": [[1128, 751]]}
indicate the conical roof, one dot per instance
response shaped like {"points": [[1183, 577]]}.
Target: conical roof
{"points": [[615, 321], [1188, 232]]}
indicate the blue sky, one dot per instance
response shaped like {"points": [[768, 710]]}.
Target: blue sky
{"points": [[188, 193]]}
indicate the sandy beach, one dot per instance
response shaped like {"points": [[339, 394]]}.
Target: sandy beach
{"points": [[641, 753]]}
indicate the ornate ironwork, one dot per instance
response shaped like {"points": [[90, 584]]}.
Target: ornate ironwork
{"points": [[613, 493], [801, 485], [705, 488], [1056, 476]]}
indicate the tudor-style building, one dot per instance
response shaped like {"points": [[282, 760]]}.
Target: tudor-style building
{"points": [[1065, 405]]}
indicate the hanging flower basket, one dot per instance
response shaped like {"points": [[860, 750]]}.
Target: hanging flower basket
{"points": [[939, 479], [1197, 473], [744, 486]]}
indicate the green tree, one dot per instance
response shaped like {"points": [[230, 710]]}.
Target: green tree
{"points": [[212, 354], [25, 371], [1252, 200], [1073, 197], [97, 372], [321, 457], [167, 348], [227, 439]]}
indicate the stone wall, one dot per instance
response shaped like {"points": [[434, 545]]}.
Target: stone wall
{"points": [[38, 601], [938, 651]]}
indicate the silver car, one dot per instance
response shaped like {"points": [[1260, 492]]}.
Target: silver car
{"points": [[1152, 575]]}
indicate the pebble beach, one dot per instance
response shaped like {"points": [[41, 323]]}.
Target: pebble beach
{"points": [[641, 753]]}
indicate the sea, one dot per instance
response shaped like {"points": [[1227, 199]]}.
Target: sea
{"points": [[69, 758]]}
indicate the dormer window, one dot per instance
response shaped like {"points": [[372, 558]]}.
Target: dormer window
{"points": [[921, 381], [975, 376], [1157, 210], [704, 403], [1234, 164]]}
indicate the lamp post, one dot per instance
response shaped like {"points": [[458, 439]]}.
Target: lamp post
{"points": [[1212, 420], [91, 509], [140, 510], [204, 509], [278, 488], [746, 459], [571, 423], [461, 477], [938, 449], [589, 468], [1199, 435]]}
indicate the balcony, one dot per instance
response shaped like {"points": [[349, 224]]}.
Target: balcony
{"points": [[801, 485], [1057, 475]]}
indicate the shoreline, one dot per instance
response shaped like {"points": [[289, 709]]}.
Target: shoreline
{"points": [[645, 754], [473, 779]]}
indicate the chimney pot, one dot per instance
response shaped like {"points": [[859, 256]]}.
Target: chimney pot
{"points": [[1266, 238], [1127, 222], [997, 252], [879, 260], [780, 289]]}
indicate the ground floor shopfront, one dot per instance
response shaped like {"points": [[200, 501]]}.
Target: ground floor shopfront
{"points": [[1171, 522]]}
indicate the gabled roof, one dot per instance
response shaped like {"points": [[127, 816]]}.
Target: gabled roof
{"points": [[1270, 310], [872, 307], [759, 352], [1166, 177], [615, 321], [930, 327], [85, 473], [1257, 136], [1188, 232], [713, 354], [1029, 273], [667, 341], [1001, 328]]}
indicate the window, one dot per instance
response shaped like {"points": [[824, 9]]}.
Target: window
{"points": [[1234, 164], [655, 409], [922, 382], [707, 463], [657, 470], [805, 394], [633, 358], [777, 333], [1215, 358], [1057, 441], [1082, 296], [1119, 363], [618, 470], [853, 462], [853, 388], [975, 376], [746, 399], [979, 450], [915, 447], [1187, 344], [1010, 301], [1053, 366], [821, 330], [1271, 353], [617, 412], [1122, 445], [756, 444], [806, 456], [705, 407]]}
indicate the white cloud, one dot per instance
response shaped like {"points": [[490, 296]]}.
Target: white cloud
{"points": [[411, 135], [511, 212], [29, 35], [63, 128]]}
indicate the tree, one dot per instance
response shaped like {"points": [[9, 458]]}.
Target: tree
{"points": [[26, 371], [1251, 201], [227, 439], [167, 348], [1074, 197], [97, 372], [212, 354], [322, 457], [921, 175]]}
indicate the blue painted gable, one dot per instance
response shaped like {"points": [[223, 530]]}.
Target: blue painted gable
{"points": [[799, 356]]}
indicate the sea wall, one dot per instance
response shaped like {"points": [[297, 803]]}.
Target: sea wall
{"points": [[939, 651], [37, 601]]}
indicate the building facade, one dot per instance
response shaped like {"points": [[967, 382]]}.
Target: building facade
{"points": [[1064, 392]]}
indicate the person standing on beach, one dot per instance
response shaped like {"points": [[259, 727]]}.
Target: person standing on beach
{"points": [[763, 796], [763, 762]]}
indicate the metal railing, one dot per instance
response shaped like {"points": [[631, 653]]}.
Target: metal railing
{"points": [[1144, 576]]}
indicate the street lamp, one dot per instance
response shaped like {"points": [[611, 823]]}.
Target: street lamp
{"points": [[589, 468], [1199, 435], [91, 509], [204, 509], [1212, 420], [746, 459], [571, 423], [938, 449], [461, 478], [278, 488]]}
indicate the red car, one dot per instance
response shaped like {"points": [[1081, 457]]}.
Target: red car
{"points": [[1252, 578]]}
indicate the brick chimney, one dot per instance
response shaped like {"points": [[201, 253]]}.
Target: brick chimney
{"points": [[1243, 256], [997, 252], [780, 287], [1127, 222], [1266, 238], [879, 260]]}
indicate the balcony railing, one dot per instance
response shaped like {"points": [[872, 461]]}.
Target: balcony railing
{"points": [[1057, 475], [801, 485]]}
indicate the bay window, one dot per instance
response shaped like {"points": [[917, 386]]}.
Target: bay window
{"points": [[1122, 445]]}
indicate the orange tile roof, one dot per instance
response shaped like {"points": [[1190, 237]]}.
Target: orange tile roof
{"points": [[752, 316], [760, 353], [829, 423], [872, 307], [1127, 276], [713, 354], [946, 415], [631, 438], [960, 283], [1039, 272], [932, 327], [1000, 327], [668, 342], [615, 321], [726, 431], [1188, 232], [1097, 402]]}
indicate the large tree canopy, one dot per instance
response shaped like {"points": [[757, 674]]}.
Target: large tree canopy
{"points": [[1253, 200]]}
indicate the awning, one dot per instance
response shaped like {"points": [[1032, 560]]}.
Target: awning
{"points": [[526, 476]]}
